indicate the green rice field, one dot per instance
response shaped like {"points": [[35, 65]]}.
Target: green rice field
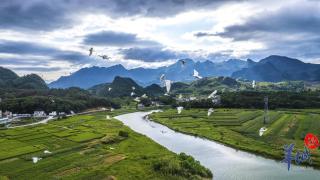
{"points": [[88, 147], [239, 128]]}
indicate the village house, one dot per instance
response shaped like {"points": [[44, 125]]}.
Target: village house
{"points": [[4, 120], [62, 113], [39, 114], [140, 106], [53, 113]]}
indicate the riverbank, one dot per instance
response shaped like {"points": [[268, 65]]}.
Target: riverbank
{"points": [[225, 162], [239, 128], [90, 147]]}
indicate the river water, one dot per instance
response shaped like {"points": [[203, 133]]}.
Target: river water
{"points": [[225, 162]]}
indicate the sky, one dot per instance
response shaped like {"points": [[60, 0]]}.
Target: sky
{"points": [[52, 38]]}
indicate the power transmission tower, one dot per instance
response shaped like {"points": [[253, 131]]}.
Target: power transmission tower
{"points": [[266, 110]]}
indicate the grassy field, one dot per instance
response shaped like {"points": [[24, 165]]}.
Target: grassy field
{"points": [[239, 128], [90, 147]]}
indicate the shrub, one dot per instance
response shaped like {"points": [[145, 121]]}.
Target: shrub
{"points": [[184, 165], [110, 139], [123, 134]]}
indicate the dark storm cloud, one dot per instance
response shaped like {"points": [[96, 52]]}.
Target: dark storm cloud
{"points": [[149, 54], [22, 61], [203, 34], [15, 47], [291, 31], [35, 15], [27, 48], [111, 38], [295, 19], [27, 64], [52, 14], [161, 8]]}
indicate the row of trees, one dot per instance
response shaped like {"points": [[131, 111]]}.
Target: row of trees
{"points": [[254, 99], [61, 100]]}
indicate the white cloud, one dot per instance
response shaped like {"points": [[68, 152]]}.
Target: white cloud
{"points": [[175, 33]]}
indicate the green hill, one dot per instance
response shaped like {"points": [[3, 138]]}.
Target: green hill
{"points": [[154, 90], [122, 87], [30, 93], [31, 81], [9, 79]]}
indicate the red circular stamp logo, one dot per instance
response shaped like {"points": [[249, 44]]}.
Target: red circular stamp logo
{"points": [[311, 141]]}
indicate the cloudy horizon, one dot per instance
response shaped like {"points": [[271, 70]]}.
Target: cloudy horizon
{"points": [[52, 38]]}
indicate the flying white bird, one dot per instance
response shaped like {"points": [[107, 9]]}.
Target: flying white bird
{"points": [[262, 130], [132, 94], [137, 99], [213, 94], [162, 77], [180, 108], [47, 152], [196, 74], [35, 159], [109, 89], [90, 51], [253, 84], [210, 111], [168, 85], [104, 56], [133, 88]]}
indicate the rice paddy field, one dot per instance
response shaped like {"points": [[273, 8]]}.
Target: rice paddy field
{"points": [[239, 128], [87, 147]]}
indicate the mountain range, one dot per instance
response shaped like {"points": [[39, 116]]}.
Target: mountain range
{"points": [[88, 77], [279, 68], [270, 69]]}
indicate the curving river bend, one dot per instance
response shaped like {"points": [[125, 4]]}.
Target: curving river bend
{"points": [[224, 162]]}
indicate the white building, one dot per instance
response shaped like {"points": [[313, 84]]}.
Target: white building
{"points": [[39, 114], [22, 115], [140, 106], [4, 120], [53, 113], [7, 114]]}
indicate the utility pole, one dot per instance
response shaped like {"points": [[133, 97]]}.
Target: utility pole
{"points": [[266, 109]]}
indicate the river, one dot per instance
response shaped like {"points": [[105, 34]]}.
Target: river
{"points": [[225, 162]]}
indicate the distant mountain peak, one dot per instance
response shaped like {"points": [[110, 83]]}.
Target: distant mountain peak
{"points": [[277, 58], [277, 68], [234, 60]]}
